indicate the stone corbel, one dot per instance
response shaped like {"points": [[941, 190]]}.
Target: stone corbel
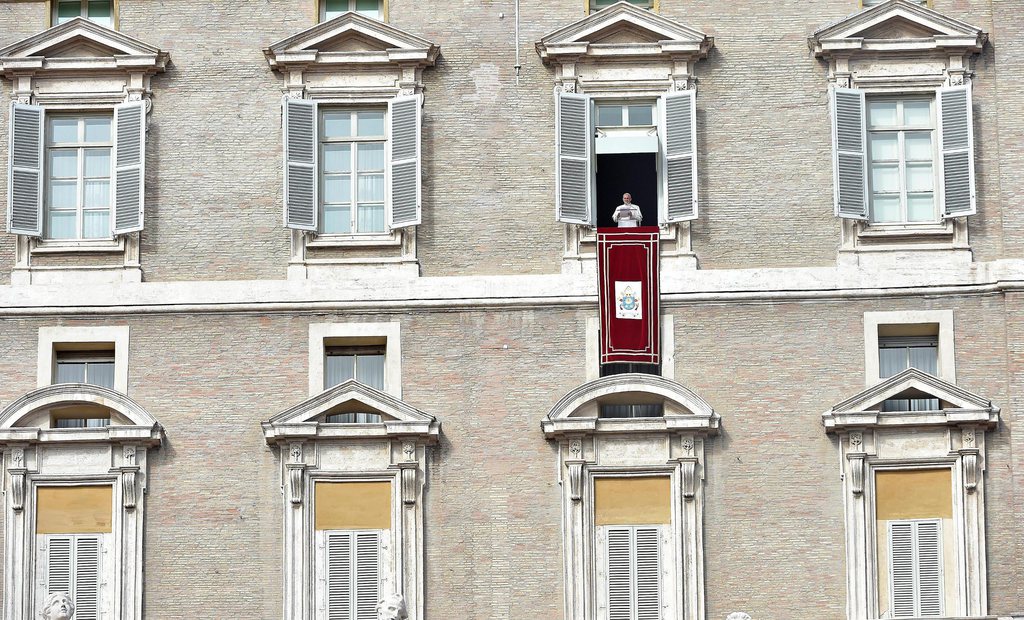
{"points": [[408, 471], [688, 478], [295, 471], [855, 455], [575, 479], [128, 486], [17, 489], [970, 461]]}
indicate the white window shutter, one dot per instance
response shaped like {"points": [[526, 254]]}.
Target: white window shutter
{"points": [[301, 206], [405, 121], [574, 146], [648, 573], [929, 568], [129, 166], [679, 155], [901, 569], [620, 574], [367, 561], [339, 576], [87, 577], [58, 564], [25, 171], [849, 145], [956, 148]]}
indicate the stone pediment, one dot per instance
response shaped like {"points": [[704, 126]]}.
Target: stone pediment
{"points": [[352, 39], [624, 30], [956, 405], [305, 420], [82, 45], [896, 26]]}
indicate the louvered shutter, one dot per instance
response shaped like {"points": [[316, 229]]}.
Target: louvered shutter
{"points": [[404, 126], [25, 171], [129, 166], [300, 169], [849, 140], [87, 577], [58, 564], [679, 157], [648, 573], [956, 148], [574, 153], [929, 568], [620, 574], [901, 569], [367, 562], [339, 576]]}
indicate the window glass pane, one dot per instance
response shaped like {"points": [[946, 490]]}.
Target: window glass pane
{"points": [[918, 146], [885, 146], [70, 372], [337, 219], [97, 194], [335, 7], [64, 164], [371, 188], [338, 189], [891, 361], [63, 130], [368, 7], [885, 178], [919, 178], [96, 225], [97, 163], [97, 422], [338, 369], [370, 370], [370, 123], [882, 113], [370, 157], [925, 358], [100, 373], [337, 124], [885, 209], [68, 10], [337, 157], [70, 423], [641, 115], [63, 194], [921, 208], [62, 225], [354, 418], [371, 218], [609, 115], [917, 113], [97, 130]]}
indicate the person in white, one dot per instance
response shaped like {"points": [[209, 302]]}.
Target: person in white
{"points": [[627, 214]]}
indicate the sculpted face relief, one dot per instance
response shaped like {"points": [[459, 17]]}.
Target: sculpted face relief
{"points": [[392, 607], [58, 606]]}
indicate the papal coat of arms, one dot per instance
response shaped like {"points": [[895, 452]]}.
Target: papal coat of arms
{"points": [[627, 300]]}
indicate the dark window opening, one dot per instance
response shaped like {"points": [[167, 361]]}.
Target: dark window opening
{"points": [[896, 354], [632, 411], [910, 404], [608, 370], [354, 418], [81, 422], [632, 173], [92, 367]]}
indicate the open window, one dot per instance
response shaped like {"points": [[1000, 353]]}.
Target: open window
{"points": [[897, 340], [632, 497]]}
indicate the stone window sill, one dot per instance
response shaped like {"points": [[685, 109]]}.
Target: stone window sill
{"points": [[373, 240], [74, 246]]}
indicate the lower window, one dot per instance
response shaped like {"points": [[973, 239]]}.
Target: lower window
{"points": [[78, 171]]}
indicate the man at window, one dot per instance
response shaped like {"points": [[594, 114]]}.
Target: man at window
{"points": [[627, 215]]}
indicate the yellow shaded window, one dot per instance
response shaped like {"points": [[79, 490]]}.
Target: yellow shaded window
{"points": [[633, 501], [353, 505], [916, 494], [74, 510]]}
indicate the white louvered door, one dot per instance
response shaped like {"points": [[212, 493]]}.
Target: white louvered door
{"points": [[351, 574], [574, 140], [25, 171], [633, 572], [74, 566], [915, 568], [956, 146], [849, 144]]}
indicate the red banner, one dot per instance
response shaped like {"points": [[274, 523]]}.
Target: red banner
{"points": [[627, 272]]}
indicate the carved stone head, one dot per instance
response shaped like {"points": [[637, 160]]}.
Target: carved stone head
{"points": [[57, 606], [392, 607], [738, 615]]}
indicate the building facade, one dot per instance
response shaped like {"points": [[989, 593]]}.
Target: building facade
{"points": [[298, 309]]}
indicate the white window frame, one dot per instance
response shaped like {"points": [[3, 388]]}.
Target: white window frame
{"points": [[105, 575], [910, 318], [83, 12], [51, 338], [381, 10], [355, 143], [651, 5], [915, 524], [391, 332], [900, 131], [80, 146]]}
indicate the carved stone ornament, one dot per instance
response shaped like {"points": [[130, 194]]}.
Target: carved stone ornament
{"points": [[409, 450], [295, 453], [128, 487], [576, 448], [409, 483], [57, 606], [296, 482], [576, 481], [129, 455], [967, 436], [857, 474], [688, 469], [18, 457], [856, 441], [738, 615], [970, 459], [392, 607], [17, 490], [688, 445]]}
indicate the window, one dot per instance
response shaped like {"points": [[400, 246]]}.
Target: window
{"points": [[78, 177], [597, 5], [901, 144], [96, 367], [99, 11], [895, 341], [93, 355], [632, 410], [867, 3], [367, 352], [352, 156], [896, 354], [329, 9]]}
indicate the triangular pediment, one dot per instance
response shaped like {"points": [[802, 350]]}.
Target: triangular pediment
{"points": [[897, 21], [620, 26], [913, 383], [353, 37], [78, 37]]}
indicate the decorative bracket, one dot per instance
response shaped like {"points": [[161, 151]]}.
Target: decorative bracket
{"points": [[688, 469], [575, 479], [17, 488], [408, 470], [856, 469], [295, 469], [970, 460]]}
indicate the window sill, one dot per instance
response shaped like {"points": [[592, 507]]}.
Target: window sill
{"points": [[372, 240], [935, 230], [67, 246], [668, 232]]}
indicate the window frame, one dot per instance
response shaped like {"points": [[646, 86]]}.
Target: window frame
{"points": [[88, 358], [901, 130], [909, 320], [53, 339], [589, 6], [322, 11], [80, 147], [354, 173], [325, 335], [53, 7]]}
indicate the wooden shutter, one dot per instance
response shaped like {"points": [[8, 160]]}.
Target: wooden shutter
{"points": [[87, 577], [648, 573], [25, 171], [404, 126], [915, 568], [849, 140], [367, 561], [901, 569], [129, 166], [339, 576], [679, 156], [956, 148], [58, 564], [929, 568], [620, 578], [574, 148], [300, 168]]}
